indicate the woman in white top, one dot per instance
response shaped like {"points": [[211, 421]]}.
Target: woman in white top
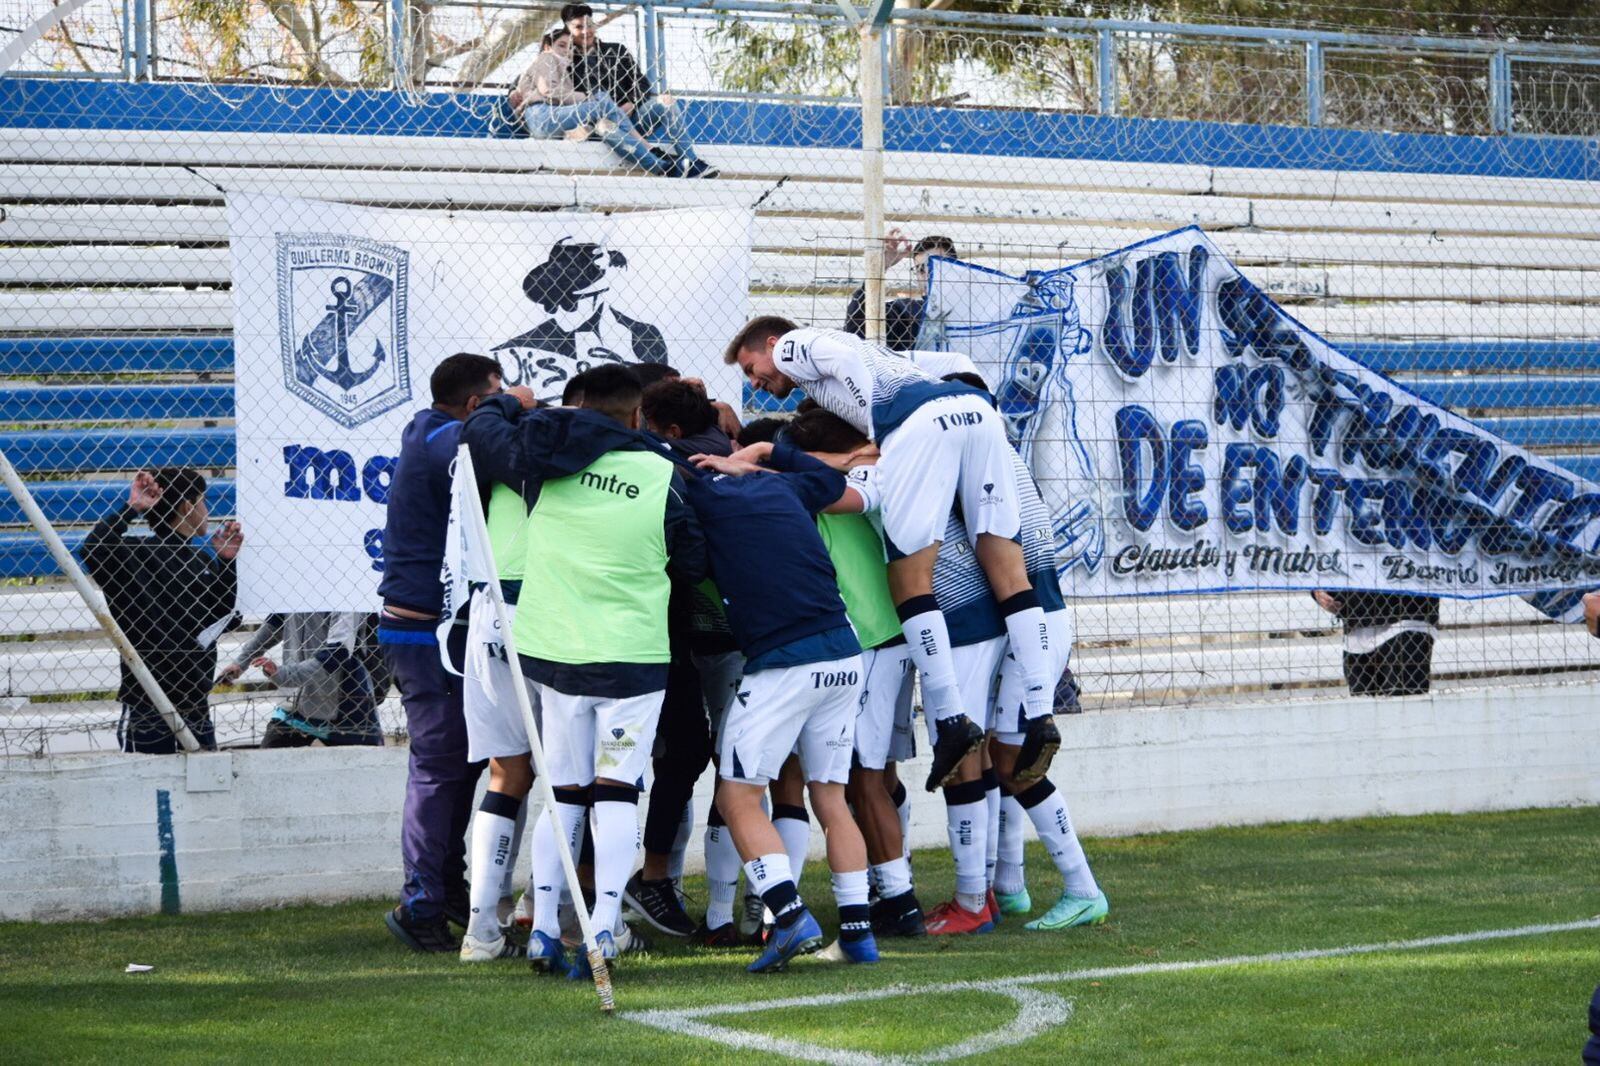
{"points": [[551, 105]]}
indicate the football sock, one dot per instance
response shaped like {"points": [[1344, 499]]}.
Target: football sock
{"points": [[680, 844], [929, 642], [616, 844], [769, 876], [991, 834], [1030, 644], [902, 805], [493, 835], [1008, 875], [722, 871], [967, 817], [562, 827], [1047, 809], [893, 878], [794, 827], [508, 887], [855, 918]]}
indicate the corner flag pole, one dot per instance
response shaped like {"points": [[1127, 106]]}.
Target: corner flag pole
{"points": [[597, 962], [96, 602]]}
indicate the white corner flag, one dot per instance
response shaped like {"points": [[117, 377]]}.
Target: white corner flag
{"points": [[467, 557]]}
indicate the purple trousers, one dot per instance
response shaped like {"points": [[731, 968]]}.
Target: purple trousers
{"points": [[441, 782]]}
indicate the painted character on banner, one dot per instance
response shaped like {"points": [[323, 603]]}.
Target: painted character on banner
{"points": [[1035, 397], [574, 288]]}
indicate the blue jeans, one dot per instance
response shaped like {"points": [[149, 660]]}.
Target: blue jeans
{"points": [[552, 120], [664, 121]]}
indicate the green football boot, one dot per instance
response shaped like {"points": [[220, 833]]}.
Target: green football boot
{"points": [[1014, 902], [1073, 910]]}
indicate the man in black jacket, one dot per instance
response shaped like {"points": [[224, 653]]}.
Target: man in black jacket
{"points": [[604, 67], [172, 597], [1388, 640]]}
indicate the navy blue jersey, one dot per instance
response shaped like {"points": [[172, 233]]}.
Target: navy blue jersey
{"points": [[419, 510]]}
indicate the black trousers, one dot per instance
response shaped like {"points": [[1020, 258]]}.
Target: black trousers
{"points": [[143, 730], [682, 753], [1400, 666]]}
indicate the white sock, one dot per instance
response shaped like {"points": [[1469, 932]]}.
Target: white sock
{"points": [[928, 639], [494, 830], [991, 800], [794, 827], [893, 878], [722, 876], [562, 827], [616, 845], [1047, 809], [508, 886], [766, 872], [1030, 644], [1008, 874], [680, 845], [967, 819]]}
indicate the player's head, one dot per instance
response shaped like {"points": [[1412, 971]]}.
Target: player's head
{"points": [[830, 438], [923, 250], [612, 390], [650, 373], [579, 21], [676, 409], [752, 350], [461, 381], [181, 510], [762, 431]]}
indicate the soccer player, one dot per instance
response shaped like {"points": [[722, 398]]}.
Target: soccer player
{"points": [[801, 686], [441, 779], [941, 444], [607, 519]]}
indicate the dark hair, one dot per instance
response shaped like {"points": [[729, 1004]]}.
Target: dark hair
{"points": [[935, 243], [967, 377], [761, 430], [552, 36], [611, 389], [756, 332], [817, 430], [677, 403], [461, 377], [650, 373], [575, 11], [179, 485], [572, 394]]}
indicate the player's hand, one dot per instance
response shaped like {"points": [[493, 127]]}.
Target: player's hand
{"points": [[727, 418], [896, 248], [229, 674], [144, 492], [1327, 602], [1591, 612], [725, 465], [524, 396], [758, 452], [267, 666], [227, 541]]}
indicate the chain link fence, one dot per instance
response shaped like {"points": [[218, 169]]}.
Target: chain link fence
{"points": [[1429, 210]]}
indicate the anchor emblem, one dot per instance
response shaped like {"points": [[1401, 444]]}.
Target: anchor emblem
{"points": [[342, 310]]}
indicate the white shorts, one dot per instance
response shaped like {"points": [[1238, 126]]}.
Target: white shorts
{"points": [[586, 737], [949, 450], [719, 681], [976, 667], [1009, 717], [810, 709], [495, 728], [885, 703]]}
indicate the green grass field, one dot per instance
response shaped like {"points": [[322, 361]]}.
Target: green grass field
{"points": [[327, 984]]}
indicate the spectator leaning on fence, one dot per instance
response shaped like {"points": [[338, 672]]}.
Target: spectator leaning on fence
{"points": [[171, 596], [605, 67], [551, 105], [902, 316], [333, 699], [1388, 640]]}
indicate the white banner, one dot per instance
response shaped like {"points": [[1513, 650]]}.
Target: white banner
{"points": [[341, 313], [1191, 436]]}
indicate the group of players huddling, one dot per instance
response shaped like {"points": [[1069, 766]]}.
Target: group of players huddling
{"points": [[889, 527]]}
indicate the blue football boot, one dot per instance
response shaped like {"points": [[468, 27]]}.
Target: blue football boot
{"points": [[800, 938], [545, 954]]}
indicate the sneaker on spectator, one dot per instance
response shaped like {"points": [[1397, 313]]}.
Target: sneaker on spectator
{"points": [[658, 904], [501, 947], [699, 168], [421, 935]]}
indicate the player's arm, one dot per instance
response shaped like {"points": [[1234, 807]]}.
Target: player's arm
{"points": [[805, 355], [491, 435], [687, 559]]}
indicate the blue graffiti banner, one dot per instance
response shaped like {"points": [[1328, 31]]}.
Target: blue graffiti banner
{"points": [[1191, 436]]}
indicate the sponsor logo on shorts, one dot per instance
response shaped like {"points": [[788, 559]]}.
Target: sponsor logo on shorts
{"points": [[833, 678], [989, 497], [959, 420]]}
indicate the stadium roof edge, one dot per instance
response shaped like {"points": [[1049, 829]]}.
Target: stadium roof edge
{"points": [[98, 105]]}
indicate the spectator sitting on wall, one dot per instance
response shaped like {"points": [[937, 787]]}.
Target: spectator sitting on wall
{"points": [[172, 597], [606, 67], [902, 317], [552, 105], [334, 699], [1388, 640]]}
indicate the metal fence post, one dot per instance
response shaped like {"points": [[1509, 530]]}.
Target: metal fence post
{"points": [[872, 176], [141, 40], [1314, 83], [398, 45], [655, 59], [1106, 68], [1500, 92]]}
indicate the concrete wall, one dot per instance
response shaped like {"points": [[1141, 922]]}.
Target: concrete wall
{"points": [[259, 828]]}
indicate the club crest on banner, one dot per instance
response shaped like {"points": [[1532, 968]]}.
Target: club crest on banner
{"points": [[342, 324]]}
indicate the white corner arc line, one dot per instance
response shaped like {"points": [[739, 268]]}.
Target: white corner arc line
{"points": [[1037, 1011]]}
